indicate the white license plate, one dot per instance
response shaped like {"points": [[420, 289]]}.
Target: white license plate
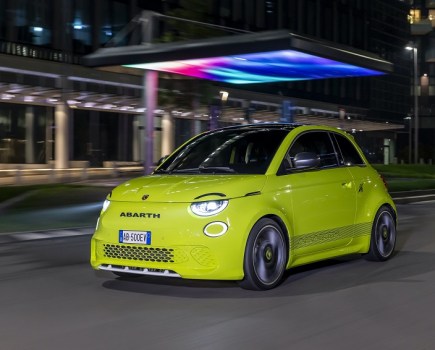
{"points": [[135, 237]]}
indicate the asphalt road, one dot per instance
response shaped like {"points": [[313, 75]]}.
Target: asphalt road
{"points": [[51, 299]]}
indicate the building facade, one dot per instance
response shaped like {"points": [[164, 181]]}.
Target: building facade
{"points": [[55, 112], [422, 20]]}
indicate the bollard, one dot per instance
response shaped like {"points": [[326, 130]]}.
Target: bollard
{"points": [[18, 175], [51, 175], [114, 170], [85, 174]]}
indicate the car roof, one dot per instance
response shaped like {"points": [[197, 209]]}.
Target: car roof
{"points": [[270, 126], [278, 126]]}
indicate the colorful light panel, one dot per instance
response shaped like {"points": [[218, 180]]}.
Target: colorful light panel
{"points": [[264, 67]]}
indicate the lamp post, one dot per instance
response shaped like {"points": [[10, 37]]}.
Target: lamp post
{"points": [[409, 119], [413, 47]]}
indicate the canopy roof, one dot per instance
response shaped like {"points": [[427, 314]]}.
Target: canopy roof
{"points": [[246, 58]]}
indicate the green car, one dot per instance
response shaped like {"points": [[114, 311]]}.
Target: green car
{"points": [[246, 203]]}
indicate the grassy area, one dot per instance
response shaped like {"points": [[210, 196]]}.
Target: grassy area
{"points": [[406, 171], [398, 185], [406, 177], [52, 196]]}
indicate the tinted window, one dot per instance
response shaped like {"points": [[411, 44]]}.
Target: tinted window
{"points": [[318, 143], [247, 151], [350, 155]]}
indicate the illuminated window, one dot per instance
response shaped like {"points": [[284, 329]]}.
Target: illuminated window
{"points": [[414, 15], [432, 17]]}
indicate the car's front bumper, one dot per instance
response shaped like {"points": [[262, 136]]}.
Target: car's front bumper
{"points": [[179, 245]]}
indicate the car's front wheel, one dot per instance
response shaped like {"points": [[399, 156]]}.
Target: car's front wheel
{"points": [[265, 256], [383, 237]]}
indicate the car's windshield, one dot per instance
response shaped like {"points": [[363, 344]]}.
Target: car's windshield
{"points": [[231, 151]]}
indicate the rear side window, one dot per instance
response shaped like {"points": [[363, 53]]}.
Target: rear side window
{"points": [[317, 142], [350, 155]]}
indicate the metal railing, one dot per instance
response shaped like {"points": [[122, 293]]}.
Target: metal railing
{"points": [[42, 53]]}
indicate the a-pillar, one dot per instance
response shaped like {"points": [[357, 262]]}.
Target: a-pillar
{"points": [[61, 120]]}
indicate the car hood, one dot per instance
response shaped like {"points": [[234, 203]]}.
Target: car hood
{"points": [[187, 188]]}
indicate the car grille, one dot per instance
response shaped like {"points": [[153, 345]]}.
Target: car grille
{"points": [[167, 255], [203, 256]]}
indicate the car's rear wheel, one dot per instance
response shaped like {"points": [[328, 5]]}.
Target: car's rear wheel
{"points": [[265, 256], [383, 237]]}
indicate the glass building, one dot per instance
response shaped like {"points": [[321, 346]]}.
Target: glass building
{"points": [[56, 113], [422, 20]]}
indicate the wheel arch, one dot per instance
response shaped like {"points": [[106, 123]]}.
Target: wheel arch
{"points": [[393, 209], [284, 229]]}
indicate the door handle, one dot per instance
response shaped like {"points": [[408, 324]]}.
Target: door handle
{"points": [[347, 185]]}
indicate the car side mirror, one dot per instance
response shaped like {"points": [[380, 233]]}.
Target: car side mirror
{"points": [[306, 160]]}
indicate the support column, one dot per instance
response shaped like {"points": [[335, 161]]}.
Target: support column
{"points": [[150, 98], [61, 136], [197, 127], [30, 135], [386, 151], [286, 112], [167, 134], [138, 145], [214, 115], [195, 109], [49, 139]]}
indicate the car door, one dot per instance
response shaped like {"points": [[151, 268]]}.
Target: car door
{"points": [[323, 198], [363, 176]]}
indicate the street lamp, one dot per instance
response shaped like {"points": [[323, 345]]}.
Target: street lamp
{"points": [[413, 47], [409, 119]]}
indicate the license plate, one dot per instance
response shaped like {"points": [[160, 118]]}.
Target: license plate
{"points": [[135, 237]]}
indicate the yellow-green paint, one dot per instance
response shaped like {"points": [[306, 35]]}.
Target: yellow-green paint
{"points": [[324, 213]]}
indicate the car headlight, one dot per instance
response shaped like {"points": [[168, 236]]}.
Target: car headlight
{"points": [[105, 206], [208, 208]]}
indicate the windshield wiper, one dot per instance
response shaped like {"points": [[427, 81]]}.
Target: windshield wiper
{"points": [[217, 169], [186, 171], [206, 170], [162, 171]]}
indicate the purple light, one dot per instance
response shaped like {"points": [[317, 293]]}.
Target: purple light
{"points": [[264, 67]]}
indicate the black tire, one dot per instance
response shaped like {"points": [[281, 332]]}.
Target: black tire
{"points": [[265, 256], [383, 237]]}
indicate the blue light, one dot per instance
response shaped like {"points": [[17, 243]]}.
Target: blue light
{"points": [[264, 67]]}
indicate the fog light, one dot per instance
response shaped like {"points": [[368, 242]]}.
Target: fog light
{"points": [[215, 229]]}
